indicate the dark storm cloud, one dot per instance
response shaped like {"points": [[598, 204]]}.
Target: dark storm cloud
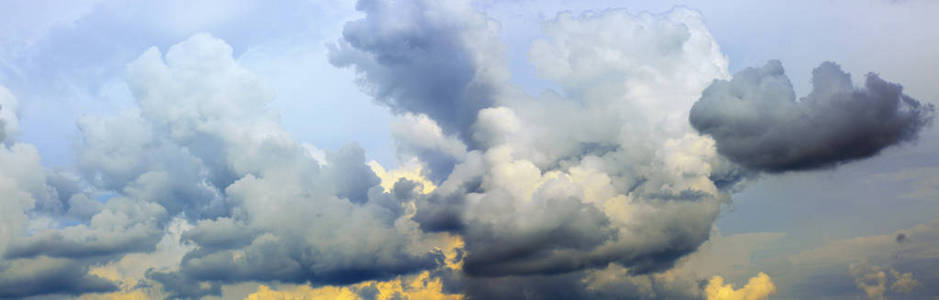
{"points": [[55, 244], [27, 277], [282, 260], [566, 225], [758, 123], [440, 213], [180, 287], [414, 56], [580, 285]]}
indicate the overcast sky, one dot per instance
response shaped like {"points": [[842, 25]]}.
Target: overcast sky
{"points": [[469, 149]]}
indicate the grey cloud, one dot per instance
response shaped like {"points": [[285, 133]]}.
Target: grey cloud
{"points": [[66, 186], [351, 176], [440, 213], [26, 277], [563, 184], [545, 192], [55, 244], [561, 227], [539, 189], [123, 226], [582, 285], [420, 137], [273, 258], [758, 123], [418, 57], [221, 233], [181, 287], [204, 148], [870, 266], [901, 237], [443, 209], [282, 217], [556, 186], [565, 286], [82, 208]]}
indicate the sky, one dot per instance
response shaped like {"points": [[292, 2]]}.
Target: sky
{"points": [[457, 149]]}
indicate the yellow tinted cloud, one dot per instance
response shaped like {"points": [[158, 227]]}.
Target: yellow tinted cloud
{"points": [[758, 288], [421, 286], [411, 172], [450, 245], [123, 295], [303, 292]]}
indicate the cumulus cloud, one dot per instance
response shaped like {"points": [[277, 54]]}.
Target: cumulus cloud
{"points": [[44, 275], [874, 266], [420, 286], [565, 184], [286, 217], [870, 279], [201, 148], [419, 137], [425, 57], [597, 190], [758, 288], [903, 282], [758, 123], [553, 186]]}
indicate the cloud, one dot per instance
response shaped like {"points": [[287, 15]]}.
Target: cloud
{"points": [[875, 266], [284, 216], [424, 57], [759, 287], [870, 279], [44, 275], [420, 286], [565, 184], [903, 282], [9, 123], [556, 186], [596, 190], [758, 123], [202, 147], [418, 137], [304, 292], [412, 173]]}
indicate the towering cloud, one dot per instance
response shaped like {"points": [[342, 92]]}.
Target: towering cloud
{"points": [[596, 190], [428, 57], [758, 123], [553, 186]]}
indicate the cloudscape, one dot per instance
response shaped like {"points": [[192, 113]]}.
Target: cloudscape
{"points": [[459, 149]]}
